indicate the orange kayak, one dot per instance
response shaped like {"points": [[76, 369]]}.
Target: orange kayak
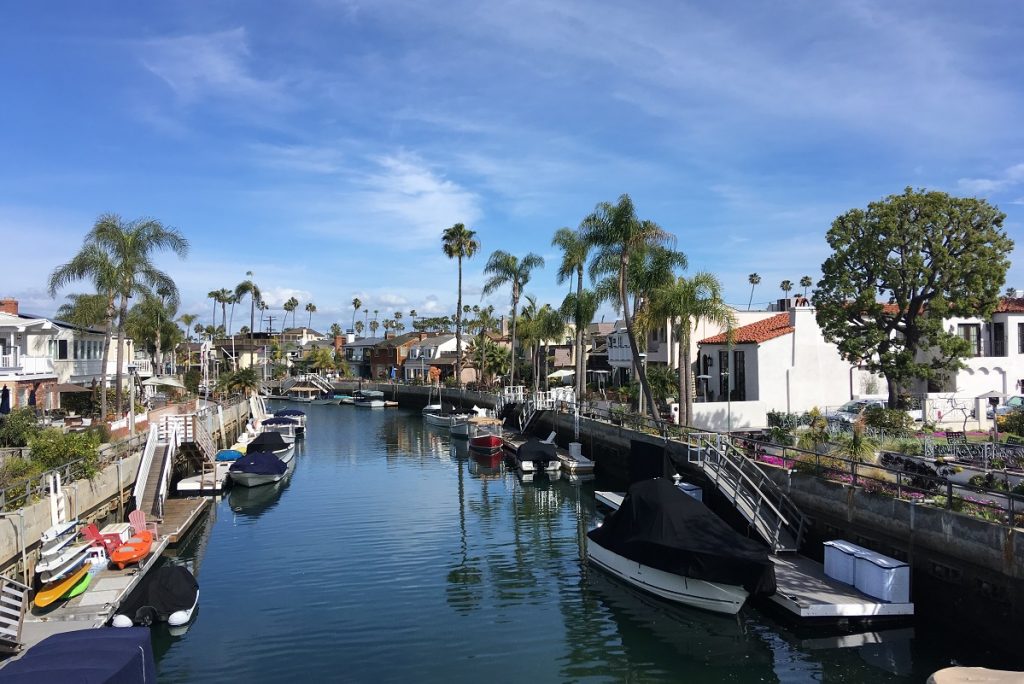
{"points": [[133, 550], [54, 590]]}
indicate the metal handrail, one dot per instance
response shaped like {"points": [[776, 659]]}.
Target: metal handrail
{"points": [[144, 465], [165, 472]]}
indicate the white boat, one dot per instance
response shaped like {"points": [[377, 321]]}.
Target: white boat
{"points": [[479, 422], [295, 414], [369, 399], [282, 425], [325, 401], [664, 542], [261, 467], [438, 416]]}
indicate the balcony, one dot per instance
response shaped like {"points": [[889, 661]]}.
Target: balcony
{"points": [[9, 361], [14, 362]]}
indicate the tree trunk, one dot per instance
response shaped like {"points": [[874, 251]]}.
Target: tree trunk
{"points": [[686, 373], [107, 334], [122, 314], [640, 371], [581, 366], [458, 331], [894, 391], [515, 305]]}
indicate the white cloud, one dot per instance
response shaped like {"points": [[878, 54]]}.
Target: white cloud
{"points": [[1010, 178], [303, 158]]}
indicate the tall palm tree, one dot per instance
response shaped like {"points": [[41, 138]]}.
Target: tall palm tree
{"points": [[359, 328], [311, 308], [805, 283], [528, 335], [187, 320], [129, 247], [335, 330], [289, 307], [232, 299], [458, 242], [412, 316], [356, 304], [373, 327], [215, 296], [786, 286], [550, 326], [248, 287], [223, 297], [754, 281], [617, 233], [575, 251], [262, 306], [687, 302], [506, 269]]}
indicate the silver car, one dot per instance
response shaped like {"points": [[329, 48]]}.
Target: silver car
{"points": [[1011, 404]]}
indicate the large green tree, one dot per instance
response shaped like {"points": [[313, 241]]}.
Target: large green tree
{"points": [[618, 234], [686, 303], [901, 267], [507, 269], [458, 242]]}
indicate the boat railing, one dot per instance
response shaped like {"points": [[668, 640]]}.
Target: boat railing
{"points": [[152, 441]]}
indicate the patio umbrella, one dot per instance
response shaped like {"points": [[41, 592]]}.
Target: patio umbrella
{"points": [[561, 373], [5, 401], [164, 380]]}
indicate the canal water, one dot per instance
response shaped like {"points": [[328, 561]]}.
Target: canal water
{"points": [[390, 555]]}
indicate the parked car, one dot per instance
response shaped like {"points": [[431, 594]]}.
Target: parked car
{"points": [[1011, 404], [851, 411]]}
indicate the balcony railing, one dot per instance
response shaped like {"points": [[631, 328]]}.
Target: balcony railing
{"points": [[26, 365], [9, 360]]}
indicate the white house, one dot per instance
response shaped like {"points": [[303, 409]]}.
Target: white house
{"points": [[433, 351], [997, 360]]}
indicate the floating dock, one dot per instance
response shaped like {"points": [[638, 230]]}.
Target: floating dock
{"points": [[96, 606], [180, 515], [211, 482], [803, 590]]}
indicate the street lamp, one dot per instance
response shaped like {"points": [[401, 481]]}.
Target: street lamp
{"points": [[131, 398], [706, 379]]}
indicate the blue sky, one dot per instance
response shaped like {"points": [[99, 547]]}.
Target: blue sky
{"points": [[325, 145]]}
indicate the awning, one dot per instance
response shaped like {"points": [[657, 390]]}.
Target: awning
{"points": [[164, 380], [66, 387], [561, 373]]}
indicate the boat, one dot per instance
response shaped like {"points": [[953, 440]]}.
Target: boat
{"points": [[134, 550], [53, 591], [259, 468], [478, 417], [168, 594], [368, 399], [534, 456], [323, 401], [273, 442], [667, 543], [343, 398], [488, 443], [438, 416], [297, 415], [59, 565], [283, 425], [93, 655]]}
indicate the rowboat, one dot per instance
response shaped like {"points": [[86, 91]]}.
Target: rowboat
{"points": [[53, 591], [486, 443], [134, 550]]}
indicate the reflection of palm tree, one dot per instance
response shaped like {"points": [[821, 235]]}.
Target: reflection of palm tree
{"points": [[464, 579]]}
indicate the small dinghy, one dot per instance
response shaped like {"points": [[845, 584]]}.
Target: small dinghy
{"points": [[134, 550], [168, 594]]}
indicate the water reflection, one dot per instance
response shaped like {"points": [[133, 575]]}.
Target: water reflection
{"points": [[252, 502]]}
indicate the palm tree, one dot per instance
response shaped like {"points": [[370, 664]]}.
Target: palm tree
{"points": [[458, 242], [356, 303], [244, 380], [311, 308], [223, 297], [289, 307], [805, 283], [187, 320], [506, 269], [215, 296], [754, 281], [117, 256], [786, 286], [248, 287], [262, 306], [373, 327], [412, 316], [617, 233], [359, 327], [335, 330], [575, 250], [550, 325], [687, 302]]}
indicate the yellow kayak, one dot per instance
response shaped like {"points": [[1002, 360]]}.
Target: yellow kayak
{"points": [[54, 590]]}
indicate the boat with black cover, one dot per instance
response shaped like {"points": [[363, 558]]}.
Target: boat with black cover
{"points": [[86, 655], [667, 543], [534, 456], [273, 442], [257, 468], [295, 414], [168, 594]]}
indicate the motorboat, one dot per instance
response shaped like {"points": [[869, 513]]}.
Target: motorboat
{"points": [[344, 398], [368, 399], [272, 442], [667, 543], [94, 655], [322, 401], [259, 468], [134, 550], [283, 425], [297, 415], [478, 418], [535, 456], [487, 443], [168, 594]]}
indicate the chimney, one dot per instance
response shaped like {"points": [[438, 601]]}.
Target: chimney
{"points": [[9, 306]]}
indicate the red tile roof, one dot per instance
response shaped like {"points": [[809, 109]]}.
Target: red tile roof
{"points": [[1008, 305], [756, 333]]}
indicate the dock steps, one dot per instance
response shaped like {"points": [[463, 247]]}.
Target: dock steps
{"points": [[13, 604]]}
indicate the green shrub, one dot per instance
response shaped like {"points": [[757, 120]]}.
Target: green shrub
{"points": [[52, 448], [191, 380], [18, 427], [1012, 422], [893, 420]]}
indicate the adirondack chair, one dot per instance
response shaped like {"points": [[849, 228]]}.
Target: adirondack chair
{"points": [[138, 522], [109, 542]]}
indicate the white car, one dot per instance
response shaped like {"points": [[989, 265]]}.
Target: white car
{"points": [[851, 411], [1011, 404]]}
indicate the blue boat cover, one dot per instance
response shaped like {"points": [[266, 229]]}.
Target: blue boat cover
{"points": [[289, 412], [229, 455], [267, 441], [88, 656], [281, 420], [259, 463]]}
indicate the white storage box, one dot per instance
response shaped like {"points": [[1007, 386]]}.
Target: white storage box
{"points": [[122, 530], [691, 489], [841, 560], [575, 450], [882, 577]]}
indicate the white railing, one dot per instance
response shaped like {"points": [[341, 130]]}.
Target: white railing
{"points": [[165, 472], [9, 360], [14, 602], [144, 465]]}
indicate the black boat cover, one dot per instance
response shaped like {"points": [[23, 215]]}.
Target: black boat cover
{"points": [[167, 589], [259, 463], [280, 420], [289, 412], [267, 441], [536, 450], [661, 527], [110, 656]]}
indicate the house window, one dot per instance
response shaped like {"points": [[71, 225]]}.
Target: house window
{"points": [[1020, 338], [972, 333], [740, 383], [998, 339], [723, 374], [58, 349]]}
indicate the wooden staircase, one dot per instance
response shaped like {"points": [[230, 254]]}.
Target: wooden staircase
{"points": [[768, 510], [151, 491], [13, 604]]}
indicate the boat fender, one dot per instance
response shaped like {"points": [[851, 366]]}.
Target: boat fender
{"points": [[121, 621], [178, 618], [145, 616]]}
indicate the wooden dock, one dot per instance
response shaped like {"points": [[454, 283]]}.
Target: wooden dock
{"points": [[95, 607], [211, 482], [180, 515]]}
